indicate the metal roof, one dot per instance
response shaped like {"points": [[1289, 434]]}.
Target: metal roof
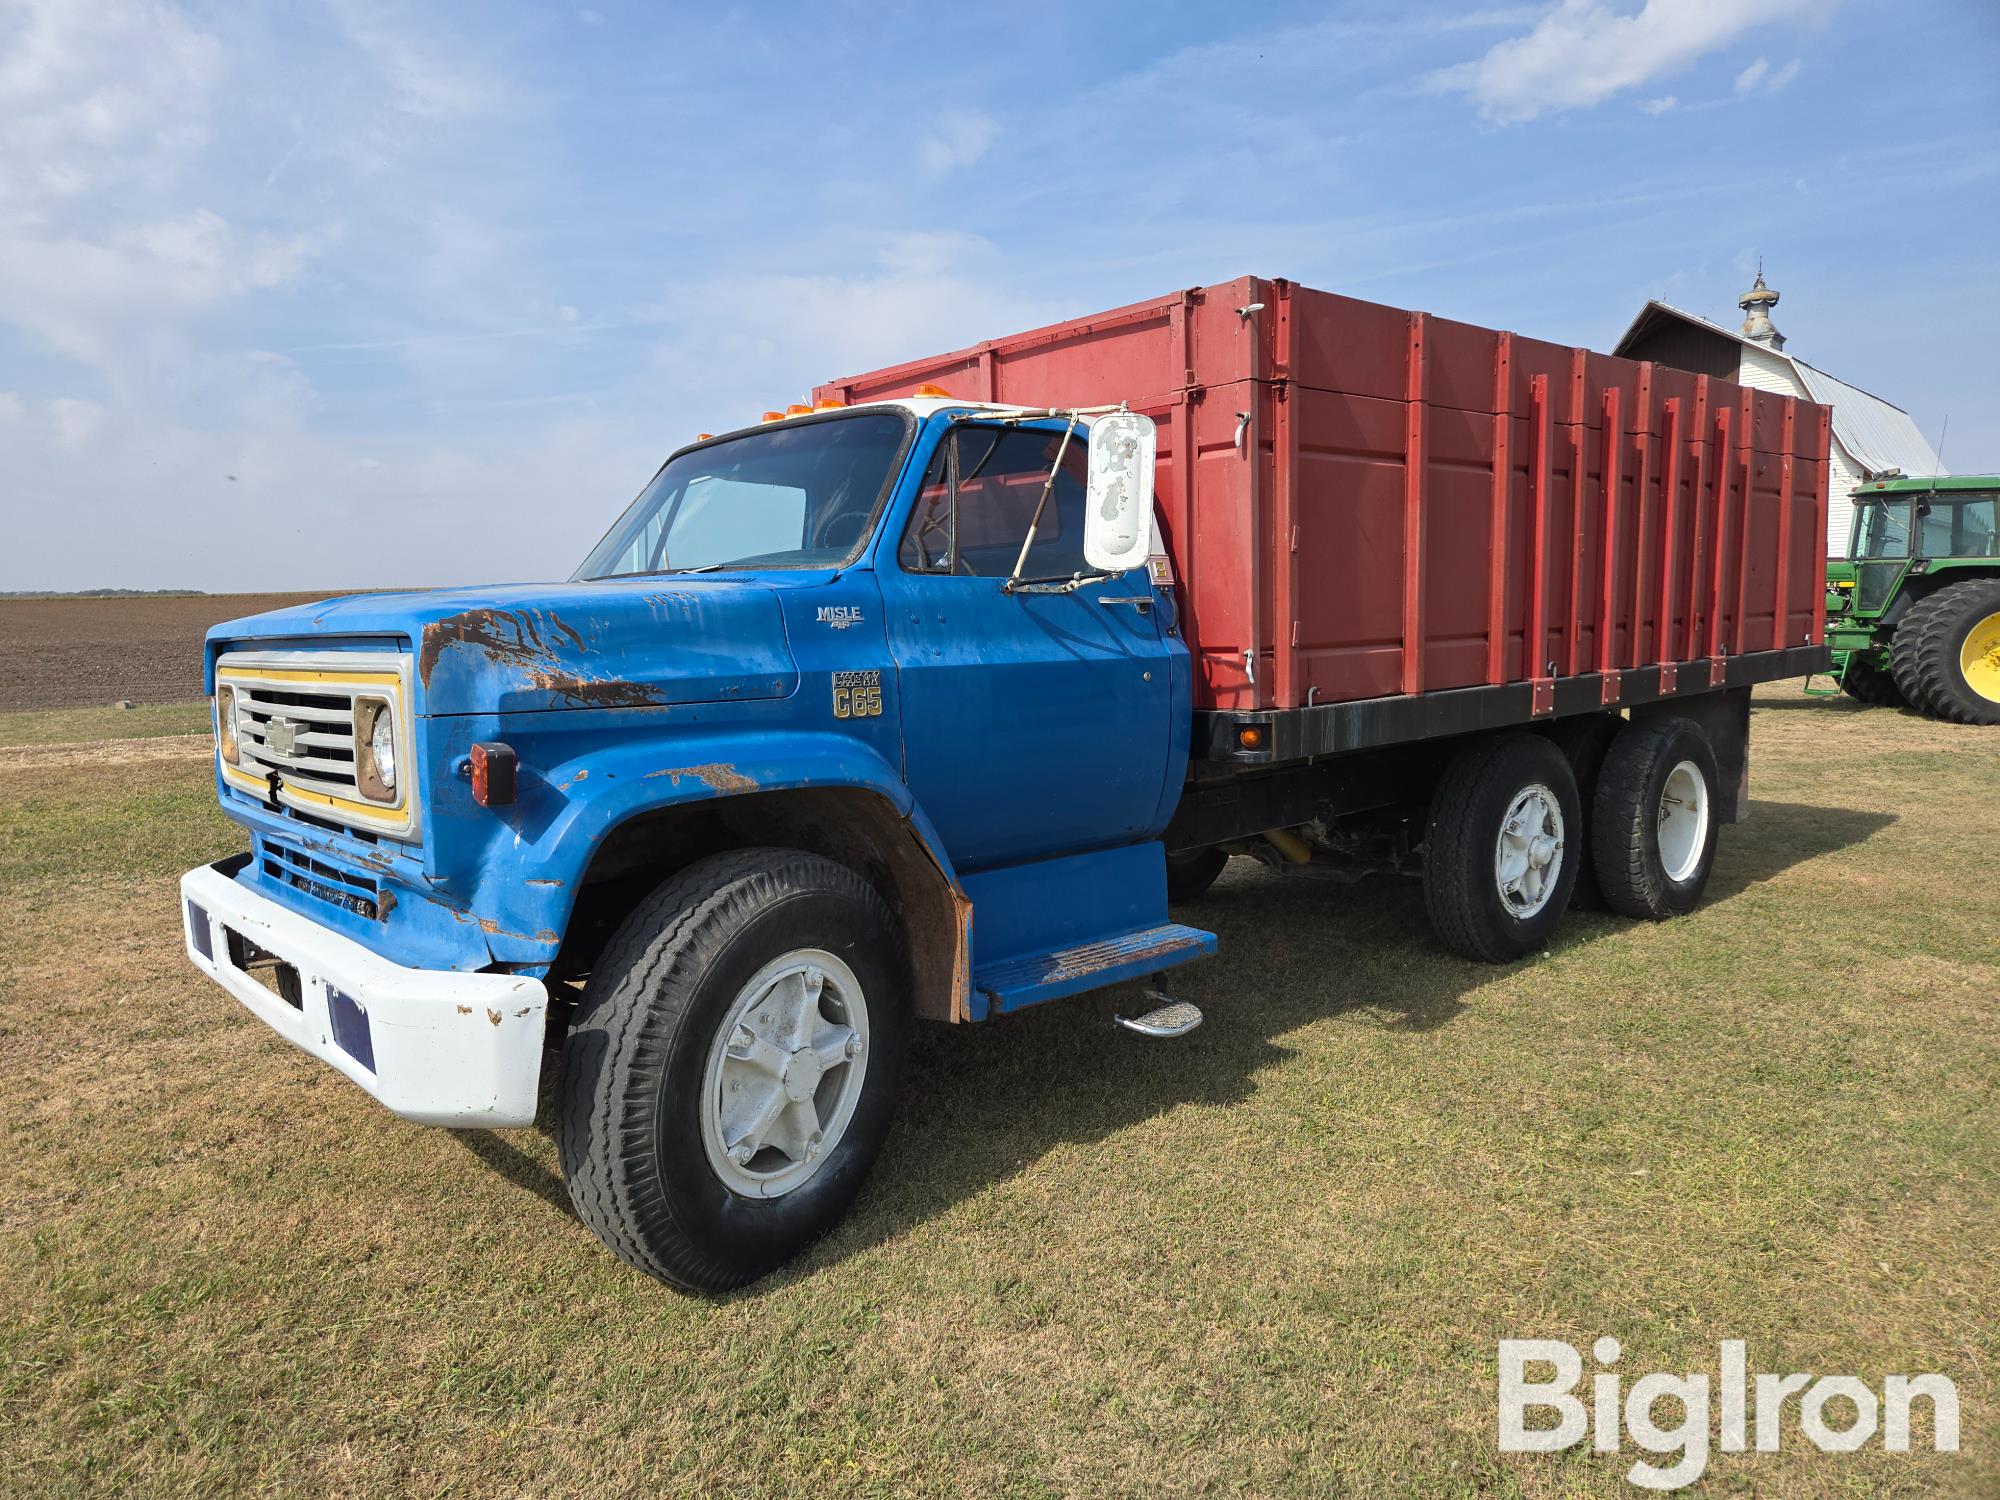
{"points": [[1877, 434]]}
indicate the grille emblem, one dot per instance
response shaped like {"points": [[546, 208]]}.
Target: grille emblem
{"points": [[280, 736]]}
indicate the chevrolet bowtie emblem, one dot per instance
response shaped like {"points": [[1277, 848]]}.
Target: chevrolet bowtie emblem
{"points": [[281, 736]]}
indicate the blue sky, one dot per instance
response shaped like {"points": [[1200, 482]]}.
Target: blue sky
{"points": [[332, 294]]}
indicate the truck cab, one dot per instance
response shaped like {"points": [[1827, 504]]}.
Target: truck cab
{"points": [[892, 698]]}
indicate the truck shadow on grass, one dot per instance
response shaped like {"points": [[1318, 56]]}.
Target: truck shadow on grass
{"points": [[984, 1102]]}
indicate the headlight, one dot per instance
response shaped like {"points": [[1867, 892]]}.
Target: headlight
{"points": [[225, 722], [375, 749]]}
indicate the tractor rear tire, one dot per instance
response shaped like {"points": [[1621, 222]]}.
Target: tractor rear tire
{"points": [[1947, 653], [1867, 683]]}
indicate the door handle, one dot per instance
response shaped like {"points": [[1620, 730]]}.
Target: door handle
{"points": [[1141, 602]]}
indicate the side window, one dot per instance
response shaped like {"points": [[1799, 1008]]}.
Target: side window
{"points": [[975, 528], [1973, 536]]}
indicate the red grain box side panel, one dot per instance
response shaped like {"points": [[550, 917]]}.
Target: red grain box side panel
{"points": [[1362, 501]]}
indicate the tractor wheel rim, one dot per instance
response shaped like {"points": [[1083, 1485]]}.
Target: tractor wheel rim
{"points": [[1528, 855], [1979, 658], [1683, 821], [784, 1074]]}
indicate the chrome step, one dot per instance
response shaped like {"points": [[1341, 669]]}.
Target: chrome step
{"points": [[1168, 1018]]}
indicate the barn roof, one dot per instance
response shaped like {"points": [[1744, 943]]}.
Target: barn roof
{"points": [[1879, 434]]}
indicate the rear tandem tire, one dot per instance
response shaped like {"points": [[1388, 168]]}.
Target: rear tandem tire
{"points": [[676, 1026], [1501, 847], [1192, 871], [1583, 740], [1653, 821]]}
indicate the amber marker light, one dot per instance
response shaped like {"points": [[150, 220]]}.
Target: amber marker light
{"points": [[927, 389], [828, 403], [772, 416], [1250, 737], [798, 409]]}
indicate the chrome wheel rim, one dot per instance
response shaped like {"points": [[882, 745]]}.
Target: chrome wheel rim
{"points": [[1683, 821], [784, 1074], [1527, 857]]}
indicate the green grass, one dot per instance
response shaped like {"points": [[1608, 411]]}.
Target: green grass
{"points": [[1275, 1257], [78, 725]]}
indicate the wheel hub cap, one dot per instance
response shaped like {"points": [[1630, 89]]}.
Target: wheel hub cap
{"points": [[785, 1073], [1527, 861]]}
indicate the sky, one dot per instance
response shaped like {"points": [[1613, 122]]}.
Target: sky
{"points": [[335, 294]]}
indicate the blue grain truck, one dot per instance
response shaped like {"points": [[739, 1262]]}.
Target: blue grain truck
{"points": [[919, 707]]}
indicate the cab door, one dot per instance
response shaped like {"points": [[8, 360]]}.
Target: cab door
{"points": [[1037, 719]]}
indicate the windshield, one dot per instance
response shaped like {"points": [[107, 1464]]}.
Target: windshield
{"points": [[796, 495]]}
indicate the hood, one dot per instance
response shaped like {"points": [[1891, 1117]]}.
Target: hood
{"points": [[522, 648]]}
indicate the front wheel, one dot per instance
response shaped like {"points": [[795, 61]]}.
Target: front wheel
{"points": [[734, 1065], [1867, 683], [1501, 847]]}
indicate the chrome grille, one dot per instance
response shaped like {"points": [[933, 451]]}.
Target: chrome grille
{"points": [[307, 737]]}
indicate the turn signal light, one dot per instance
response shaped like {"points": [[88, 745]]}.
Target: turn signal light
{"points": [[927, 389], [1250, 737], [494, 768]]}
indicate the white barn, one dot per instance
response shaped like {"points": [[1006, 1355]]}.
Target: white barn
{"points": [[1870, 437]]}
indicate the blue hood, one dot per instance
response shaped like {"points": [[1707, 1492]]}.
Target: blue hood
{"points": [[521, 648]]}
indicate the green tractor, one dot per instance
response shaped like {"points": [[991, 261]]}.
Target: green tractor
{"points": [[1913, 610]]}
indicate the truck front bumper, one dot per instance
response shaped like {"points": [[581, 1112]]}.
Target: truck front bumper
{"points": [[433, 1045]]}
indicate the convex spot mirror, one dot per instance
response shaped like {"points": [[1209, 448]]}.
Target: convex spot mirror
{"points": [[1118, 509]]}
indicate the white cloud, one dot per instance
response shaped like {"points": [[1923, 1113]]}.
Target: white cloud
{"points": [[1584, 51], [1751, 76], [956, 141], [97, 94], [1660, 105], [74, 422], [1784, 75], [428, 81], [12, 408]]}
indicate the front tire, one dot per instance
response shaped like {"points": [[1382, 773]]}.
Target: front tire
{"points": [[732, 1071], [1501, 847], [1867, 683], [1653, 824]]}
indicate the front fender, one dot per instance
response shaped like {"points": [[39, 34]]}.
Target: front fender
{"points": [[532, 870], [639, 779]]}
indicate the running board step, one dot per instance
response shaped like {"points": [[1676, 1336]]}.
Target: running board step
{"points": [[1168, 1018], [1016, 982]]}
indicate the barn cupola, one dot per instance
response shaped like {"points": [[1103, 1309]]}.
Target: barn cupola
{"points": [[1757, 304]]}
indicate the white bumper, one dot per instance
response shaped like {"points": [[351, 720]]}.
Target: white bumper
{"points": [[433, 1045]]}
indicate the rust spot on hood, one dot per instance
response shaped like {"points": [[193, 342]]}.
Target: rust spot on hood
{"points": [[596, 692], [493, 1015], [526, 639], [717, 776]]}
